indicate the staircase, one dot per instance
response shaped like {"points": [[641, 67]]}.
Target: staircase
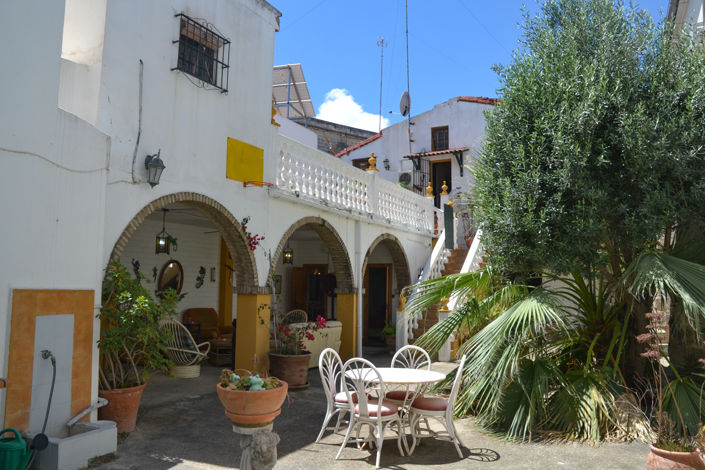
{"points": [[430, 315]]}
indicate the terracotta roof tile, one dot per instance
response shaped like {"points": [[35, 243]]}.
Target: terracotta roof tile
{"points": [[435, 152], [478, 99], [347, 150]]}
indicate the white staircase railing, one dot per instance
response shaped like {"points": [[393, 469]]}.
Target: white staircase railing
{"points": [[432, 269]]}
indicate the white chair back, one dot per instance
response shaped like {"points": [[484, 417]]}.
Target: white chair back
{"points": [[412, 357], [330, 366], [450, 409], [361, 377]]}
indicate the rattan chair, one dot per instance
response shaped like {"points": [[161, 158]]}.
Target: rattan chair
{"points": [[409, 357], [331, 367], [182, 350], [295, 316]]}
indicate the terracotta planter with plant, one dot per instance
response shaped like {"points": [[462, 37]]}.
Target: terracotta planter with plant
{"points": [[288, 360], [130, 343], [249, 400], [389, 336], [677, 446]]}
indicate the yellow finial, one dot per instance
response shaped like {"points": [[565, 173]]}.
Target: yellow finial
{"points": [[444, 305], [274, 113], [402, 300], [429, 189], [373, 163], [450, 202], [444, 189]]}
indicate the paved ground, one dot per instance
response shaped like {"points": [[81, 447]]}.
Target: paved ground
{"points": [[182, 426]]}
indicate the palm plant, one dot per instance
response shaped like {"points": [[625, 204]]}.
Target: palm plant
{"points": [[557, 347]]}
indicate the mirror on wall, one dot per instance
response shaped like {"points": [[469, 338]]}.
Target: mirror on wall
{"points": [[171, 276]]}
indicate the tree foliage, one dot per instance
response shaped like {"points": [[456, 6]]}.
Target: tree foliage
{"points": [[598, 145]]}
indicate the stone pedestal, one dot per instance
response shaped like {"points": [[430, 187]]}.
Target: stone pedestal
{"points": [[259, 447]]}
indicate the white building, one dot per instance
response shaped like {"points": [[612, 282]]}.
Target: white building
{"points": [[96, 87], [434, 146]]}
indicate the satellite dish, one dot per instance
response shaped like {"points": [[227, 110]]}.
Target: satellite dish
{"points": [[405, 104]]}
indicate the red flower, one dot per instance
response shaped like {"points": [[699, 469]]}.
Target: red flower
{"points": [[309, 336], [287, 331]]}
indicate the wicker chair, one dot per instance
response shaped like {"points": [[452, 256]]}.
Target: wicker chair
{"points": [[295, 316], [183, 351]]}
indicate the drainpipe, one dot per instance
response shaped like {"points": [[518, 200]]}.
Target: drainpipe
{"points": [[358, 271]]}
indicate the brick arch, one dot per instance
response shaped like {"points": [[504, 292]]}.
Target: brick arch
{"points": [[243, 259], [399, 260], [338, 252]]}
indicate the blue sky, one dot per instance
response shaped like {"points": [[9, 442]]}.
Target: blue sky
{"points": [[452, 47]]}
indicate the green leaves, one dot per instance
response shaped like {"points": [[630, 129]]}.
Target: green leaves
{"points": [[131, 342], [597, 145]]}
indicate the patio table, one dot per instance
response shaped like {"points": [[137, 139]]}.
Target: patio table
{"points": [[414, 381]]}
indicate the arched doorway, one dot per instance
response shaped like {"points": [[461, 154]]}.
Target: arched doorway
{"points": [[320, 278], [385, 273]]}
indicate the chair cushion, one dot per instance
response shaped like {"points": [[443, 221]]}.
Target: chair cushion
{"points": [[398, 395], [341, 397], [373, 409], [430, 404]]}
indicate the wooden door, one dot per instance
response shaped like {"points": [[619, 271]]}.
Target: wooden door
{"points": [[377, 300], [298, 292], [440, 172]]}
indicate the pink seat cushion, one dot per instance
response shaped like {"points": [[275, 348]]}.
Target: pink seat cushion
{"points": [[341, 397], [373, 409], [430, 404], [399, 395]]}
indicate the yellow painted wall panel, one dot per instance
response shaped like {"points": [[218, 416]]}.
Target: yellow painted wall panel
{"points": [[347, 314], [245, 162], [252, 333]]}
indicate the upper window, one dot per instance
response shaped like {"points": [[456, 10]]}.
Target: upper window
{"points": [[439, 138], [203, 53]]}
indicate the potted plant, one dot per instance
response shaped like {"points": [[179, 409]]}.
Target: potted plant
{"points": [[676, 445], [288, 359], [389, 336], [130, 343], [250, 400]]}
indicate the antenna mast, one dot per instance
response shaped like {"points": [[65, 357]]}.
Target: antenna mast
{"points": [[381, 42], [406, 10]]}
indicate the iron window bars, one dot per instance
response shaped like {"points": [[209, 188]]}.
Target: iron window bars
{"points": [[203, 53]]}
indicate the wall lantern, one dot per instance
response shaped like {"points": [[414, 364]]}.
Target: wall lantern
{"points": [[288, 254], [385, 162], [164, 241], [154, 166]]}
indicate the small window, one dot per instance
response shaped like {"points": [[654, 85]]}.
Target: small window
{"points": [[439, 138], [203, 53], [361, 163]]}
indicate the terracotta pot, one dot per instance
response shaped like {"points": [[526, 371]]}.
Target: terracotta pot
{"points": [[391, 342], [122, 406], [291, 368], [252, 409], [659, 459]]}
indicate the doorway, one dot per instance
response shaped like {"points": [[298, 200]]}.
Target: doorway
{"points": [[378, 302], [440, 172], [309, 292]]}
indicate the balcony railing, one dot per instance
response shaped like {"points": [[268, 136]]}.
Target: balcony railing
{"points": [[320, 178]]}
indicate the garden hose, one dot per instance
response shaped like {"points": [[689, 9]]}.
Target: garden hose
{"points": [[41, 441]]}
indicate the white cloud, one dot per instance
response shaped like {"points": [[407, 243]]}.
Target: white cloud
{"points": [[340, 107]]}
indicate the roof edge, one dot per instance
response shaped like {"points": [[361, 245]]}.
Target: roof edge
{"points": [[347, 150]]}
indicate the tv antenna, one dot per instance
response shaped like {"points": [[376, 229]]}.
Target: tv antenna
{"points": [[382, 43]]}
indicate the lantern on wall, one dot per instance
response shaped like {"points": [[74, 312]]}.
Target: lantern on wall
{"points": [[288, 254], [154, 166]]}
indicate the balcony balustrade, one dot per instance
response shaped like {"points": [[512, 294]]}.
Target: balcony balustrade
{"points": [[322, 179]]}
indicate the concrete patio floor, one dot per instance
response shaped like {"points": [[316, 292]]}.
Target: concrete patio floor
{"points": [[181, 425]]}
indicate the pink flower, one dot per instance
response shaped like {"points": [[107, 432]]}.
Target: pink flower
{"points": [[309, 336], [321, 322], [287, 331]]}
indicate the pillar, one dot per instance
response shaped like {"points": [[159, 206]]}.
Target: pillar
{"points": [[347, 314], [252, 334]]}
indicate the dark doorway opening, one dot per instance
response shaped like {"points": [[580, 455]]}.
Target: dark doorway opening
{"points": [[378, 301], [309, 289], [440, 173]]}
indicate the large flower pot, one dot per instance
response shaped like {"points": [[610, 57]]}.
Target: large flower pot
{"points": [[291, 368], [659, 459], [391, 342], [122, 406], [252, 409]]}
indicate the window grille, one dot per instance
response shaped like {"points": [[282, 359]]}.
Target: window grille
{"points": [[439, 138], [203, 53]]}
